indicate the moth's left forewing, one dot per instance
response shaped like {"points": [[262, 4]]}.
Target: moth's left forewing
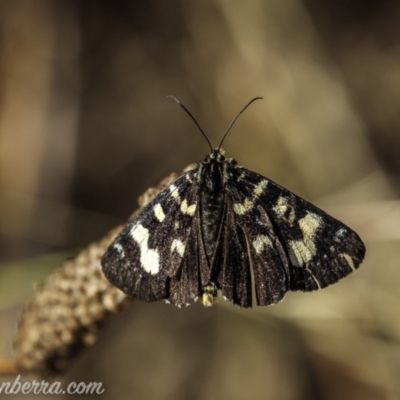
{"points": [[320, 249], [152, 245]]}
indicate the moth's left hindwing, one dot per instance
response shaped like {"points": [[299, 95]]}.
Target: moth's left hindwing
{"points": [[151, 246]]}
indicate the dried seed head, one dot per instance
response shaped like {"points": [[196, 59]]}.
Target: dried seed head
{"points": [[70, 307]]}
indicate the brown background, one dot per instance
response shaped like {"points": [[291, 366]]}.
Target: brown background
{"points": [[86, 127]]}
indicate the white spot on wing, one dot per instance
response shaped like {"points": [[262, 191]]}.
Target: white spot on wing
{"points": [[260, 242], [159, 212], [240, 178], [302, 253], [119, 249], [185, 208], [304, 250], [309, 225], [178, 246], [149, 258], [174, 192], [281, 206], [341, 232], [190, 210], [259, 189], [241, 209], [248, 204]]}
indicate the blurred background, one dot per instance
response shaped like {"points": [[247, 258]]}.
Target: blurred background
{"points": [[86, 127]]}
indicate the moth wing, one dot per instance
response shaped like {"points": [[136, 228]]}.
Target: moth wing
{"points": [[149, 250], [294, 245], [234, 279], [268, 259], [193, 274]]}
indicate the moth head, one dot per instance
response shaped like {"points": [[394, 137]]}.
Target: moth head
{"points": [[214, 157]]}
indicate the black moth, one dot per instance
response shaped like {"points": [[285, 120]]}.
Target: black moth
{"points": [[221, 227]]}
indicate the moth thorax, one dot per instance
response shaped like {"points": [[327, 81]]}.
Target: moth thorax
{"points": [[210, 295]]}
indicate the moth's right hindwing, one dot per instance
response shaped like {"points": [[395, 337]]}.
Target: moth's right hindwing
{"points": [[150, 249]]}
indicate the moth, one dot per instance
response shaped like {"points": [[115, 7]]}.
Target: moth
{"points": [[221, 227]]}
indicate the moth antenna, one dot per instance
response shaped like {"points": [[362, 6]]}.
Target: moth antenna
{"points": [[237, 116], [193, 118]]}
